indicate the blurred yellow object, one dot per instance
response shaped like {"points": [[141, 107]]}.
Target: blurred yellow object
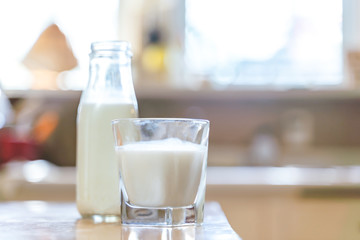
{"points": [[153, 59]]}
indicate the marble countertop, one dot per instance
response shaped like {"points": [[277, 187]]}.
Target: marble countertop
{"points": [[30, 220]]}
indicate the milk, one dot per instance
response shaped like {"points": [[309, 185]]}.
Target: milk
{"points": [[162, 173], [97, 168]]}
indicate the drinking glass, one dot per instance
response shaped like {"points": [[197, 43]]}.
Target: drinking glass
{"points": [[162, 166]]}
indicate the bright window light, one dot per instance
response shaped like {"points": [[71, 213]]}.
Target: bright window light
{"points": [[81, 21], [294, 43]]}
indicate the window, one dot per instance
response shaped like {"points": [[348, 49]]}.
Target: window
{"points": [[237, 43], [80, 22], [289, 43]]}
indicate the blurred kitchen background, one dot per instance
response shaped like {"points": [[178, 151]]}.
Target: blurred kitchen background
{"points": [[278, 79]]}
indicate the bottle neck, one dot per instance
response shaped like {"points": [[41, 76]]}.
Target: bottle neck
{"points": [[110, 72], [111, 47]]}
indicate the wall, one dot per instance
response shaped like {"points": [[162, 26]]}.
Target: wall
{"points": [[302, 124]]}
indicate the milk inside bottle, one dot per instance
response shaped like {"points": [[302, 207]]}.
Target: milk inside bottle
{"points": [[109, 95]]}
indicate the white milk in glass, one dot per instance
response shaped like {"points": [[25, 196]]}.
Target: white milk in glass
{"points": [[161, 173], [98, 172]]}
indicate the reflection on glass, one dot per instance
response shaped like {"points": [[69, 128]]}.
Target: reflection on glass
{"points": [[154, 233], [36, 206], [86, 229]]}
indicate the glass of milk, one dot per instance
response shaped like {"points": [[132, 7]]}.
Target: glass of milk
{"points": [[162, 166]]}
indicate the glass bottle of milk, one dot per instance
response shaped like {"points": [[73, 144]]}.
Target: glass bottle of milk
{"points": [[109, 95]]}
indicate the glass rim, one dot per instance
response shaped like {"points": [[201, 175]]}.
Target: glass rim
{"points": [[195, 120], [111, 46]]}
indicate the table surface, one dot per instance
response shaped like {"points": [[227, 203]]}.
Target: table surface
{"points": [[49, 220]]}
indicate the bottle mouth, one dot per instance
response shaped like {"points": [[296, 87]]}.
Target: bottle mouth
{"points": [[112, 46]]}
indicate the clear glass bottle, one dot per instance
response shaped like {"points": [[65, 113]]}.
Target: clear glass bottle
{"points": [[109, 95]]}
